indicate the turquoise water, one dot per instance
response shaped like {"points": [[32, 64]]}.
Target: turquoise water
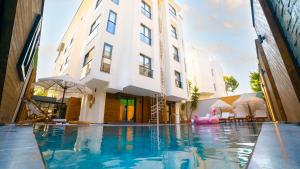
{"points": [[170, 146]]}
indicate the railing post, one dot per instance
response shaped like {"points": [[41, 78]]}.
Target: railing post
{"points": [[157, 111]]}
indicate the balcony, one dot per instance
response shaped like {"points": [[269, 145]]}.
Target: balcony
{"points": [[146, 71], [145, 39], [178, 84], [86, 70], [146, 13]]}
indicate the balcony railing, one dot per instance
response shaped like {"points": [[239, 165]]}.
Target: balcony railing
{"points": [[86, 70], [145, 39], [146, 71], [178, 83], [146, 13]]}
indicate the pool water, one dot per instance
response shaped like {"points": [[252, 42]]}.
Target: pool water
{"points": [[223, 146]]}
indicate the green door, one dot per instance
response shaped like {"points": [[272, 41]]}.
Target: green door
{"points": [[128, 109]]}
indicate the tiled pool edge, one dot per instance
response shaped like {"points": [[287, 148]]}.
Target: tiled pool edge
{"points": [[19, 148], [277, 147]]}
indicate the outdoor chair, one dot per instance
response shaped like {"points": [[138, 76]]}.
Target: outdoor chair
{"points": [[224, 116], [260, 115], [241, 116], [35, 114]]}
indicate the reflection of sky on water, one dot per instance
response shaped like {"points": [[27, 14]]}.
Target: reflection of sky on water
{"points": [[180, 146]]}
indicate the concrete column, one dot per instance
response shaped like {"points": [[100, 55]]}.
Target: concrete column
{"points": [[93, 112], [177, 113]]}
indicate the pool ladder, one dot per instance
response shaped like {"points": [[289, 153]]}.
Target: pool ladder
{"points": [[158, 103]]}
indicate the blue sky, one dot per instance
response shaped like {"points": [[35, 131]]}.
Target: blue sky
{"points": [[223, 28]]}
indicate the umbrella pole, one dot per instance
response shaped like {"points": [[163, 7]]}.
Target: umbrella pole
{"points": [[62, 103], [250, 111]]}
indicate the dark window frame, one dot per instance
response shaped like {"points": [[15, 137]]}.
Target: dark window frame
{"points": [[144, 68], [104, 57], [145, 11], [111, 22], [143, 37]]}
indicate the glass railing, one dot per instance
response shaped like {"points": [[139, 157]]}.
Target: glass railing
{"points": [[86, 70], [145, 39], [146, 71], [146, 13], [288, 15], [178, 83]]}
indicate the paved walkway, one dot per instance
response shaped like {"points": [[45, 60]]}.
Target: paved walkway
{"points": [[19, 149], [278, 147]]}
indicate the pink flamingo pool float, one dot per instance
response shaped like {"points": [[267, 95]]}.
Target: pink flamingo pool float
{"points": [[212, 119]]}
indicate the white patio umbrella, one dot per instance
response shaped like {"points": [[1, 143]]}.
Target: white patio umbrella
{"points": [[64, 84], [250, 101], [221, 105]]}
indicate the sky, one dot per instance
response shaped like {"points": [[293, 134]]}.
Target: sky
{"points": [[222, 28]]}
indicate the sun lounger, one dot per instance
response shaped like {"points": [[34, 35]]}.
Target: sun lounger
{"points": [[260, 115], [224, 116], [35, 114], [241, 116]]}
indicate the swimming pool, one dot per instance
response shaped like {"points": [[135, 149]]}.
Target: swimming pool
{"points": [[168, 146]]}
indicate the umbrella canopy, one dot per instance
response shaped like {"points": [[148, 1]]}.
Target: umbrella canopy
{"points": [[250, 102], [220, 104], [64, 84], [248, 99]]}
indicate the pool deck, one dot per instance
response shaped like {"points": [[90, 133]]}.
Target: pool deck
{"points": [[277, 147], [19, 149]]}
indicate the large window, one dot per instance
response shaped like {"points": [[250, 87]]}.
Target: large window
{"points": [[173, 32], [94, 26], [178, 82], [115, 1], [172, 10], [106, 58], [175, 54], [88, 57], [145, 34], [111, 23], [145, 66], [98, 3], [146, 9]]}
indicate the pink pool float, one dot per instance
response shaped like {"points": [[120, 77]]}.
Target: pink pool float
{"points": [[212, 119]]}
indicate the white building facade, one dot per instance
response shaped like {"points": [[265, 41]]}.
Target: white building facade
{"points": [[127, 50], [207, 75]]}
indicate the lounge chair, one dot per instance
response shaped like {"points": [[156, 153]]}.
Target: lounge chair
{"points": [[241, 116], [224, 116], [260, 115], [35, 114]]}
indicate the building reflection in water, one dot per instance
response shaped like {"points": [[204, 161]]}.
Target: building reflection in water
{"points": [[174, 146]]}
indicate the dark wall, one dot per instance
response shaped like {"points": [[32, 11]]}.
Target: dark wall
{"points": [[278, 57], [17, 17]]}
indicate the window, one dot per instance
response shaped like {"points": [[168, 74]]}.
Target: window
{"points": [[94, 26], [146, 9], [145, 34], [175, 54], [178, 82], [115, 1], [106, 58], [98, 3], [173, 32], [215, 87], [172, 10], [88, 57], [67, 60], [111, 23], [145, 66]]}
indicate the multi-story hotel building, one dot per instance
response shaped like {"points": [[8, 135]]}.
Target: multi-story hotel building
{"points": [[126, 52], [204, 73]]}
